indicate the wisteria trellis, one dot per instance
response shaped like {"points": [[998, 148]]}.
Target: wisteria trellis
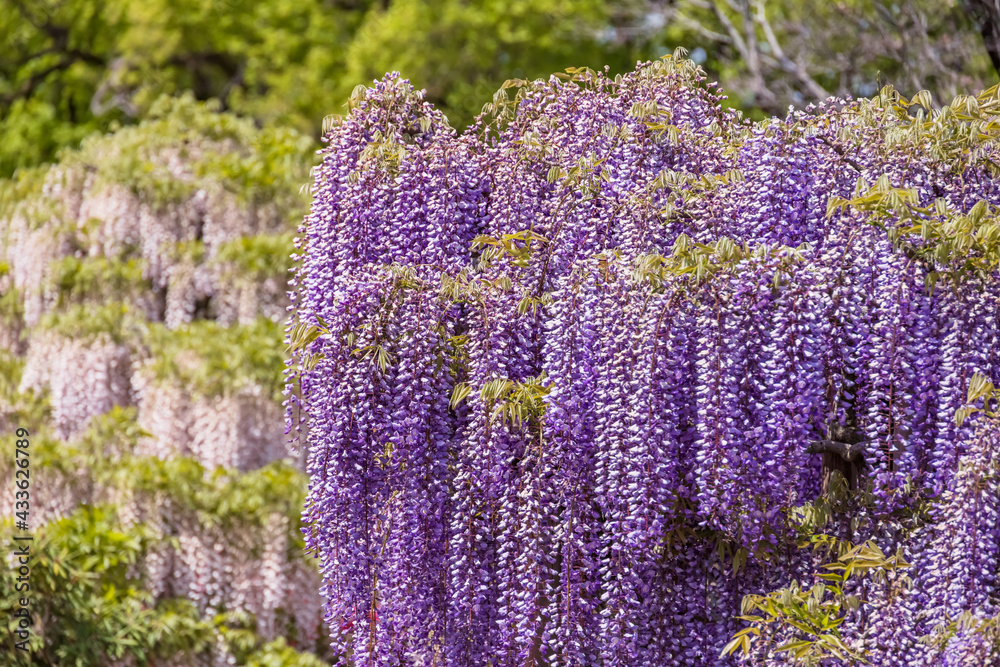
{"points": [[558, 375]]}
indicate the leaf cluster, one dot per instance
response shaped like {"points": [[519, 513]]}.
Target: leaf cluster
{"points": [[969, 623], [88, 605], [961, 134], [212, 360], [697, 263], [115, 319], [980, 387], [512, 402], [517, 246], [258, 257], [946, 242], [813, 615], [76, 279]]}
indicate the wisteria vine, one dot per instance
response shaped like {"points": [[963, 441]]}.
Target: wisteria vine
{"points": [[565, 379]]}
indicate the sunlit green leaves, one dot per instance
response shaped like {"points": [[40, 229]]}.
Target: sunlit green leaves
{"points": [[258, 257], [812, 615], [212, 359], [97, 279], [459, 393], [519, 247], [973, 622], [514, 403], [278, 653], [257, 165], [954, 134], [83, 583], [693, 186], [377, 354], [948, 243], [740, 641], [383, 153], [698, 262], [531, 302], [114, 319], [980, 387], [302, 335]]}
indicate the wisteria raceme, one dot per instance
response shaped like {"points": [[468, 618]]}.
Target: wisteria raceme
{"points": [[961, 560], [85, 378], [570, 381], [237, 431]]}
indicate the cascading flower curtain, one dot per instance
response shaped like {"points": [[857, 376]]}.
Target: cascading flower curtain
{"points": [[558, 375]]}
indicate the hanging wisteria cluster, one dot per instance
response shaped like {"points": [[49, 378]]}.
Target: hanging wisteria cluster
{"points": [[570, 381]]}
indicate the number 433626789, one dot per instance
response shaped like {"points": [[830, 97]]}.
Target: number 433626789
{"points": [[21, 477]]}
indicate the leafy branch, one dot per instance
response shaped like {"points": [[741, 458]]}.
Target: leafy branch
{"points": [[814, 615], [701, 261], [513, 402], [959, 134], [946, 242], [517, 246], [968, 623], [980, 387]]}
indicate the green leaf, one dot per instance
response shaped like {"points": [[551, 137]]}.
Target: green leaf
{"points": [[459, 393], [794, 646], [739, 560], [979, 386], [738, 642], [964, 413]]}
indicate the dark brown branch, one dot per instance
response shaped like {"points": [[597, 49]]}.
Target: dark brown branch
{"points": [[841, 153], [846, 458], [986, 15], [60, 36], [36, 55], [35, 80], [844, 450], [198, 64]]}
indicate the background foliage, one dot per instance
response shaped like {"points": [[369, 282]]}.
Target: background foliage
{"points": [[143, 284], [72, 67]]}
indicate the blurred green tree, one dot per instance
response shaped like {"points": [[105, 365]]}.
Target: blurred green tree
{"points": [[75, 66], [770, 54], [462, 52], [71, 67]]}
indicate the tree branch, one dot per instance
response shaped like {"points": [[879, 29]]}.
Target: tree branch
{"points": [[848, 452], [734, 34], [753, 51], [34, 81], [787, 63], [697, 26], [986, 14], [841, 153]]}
